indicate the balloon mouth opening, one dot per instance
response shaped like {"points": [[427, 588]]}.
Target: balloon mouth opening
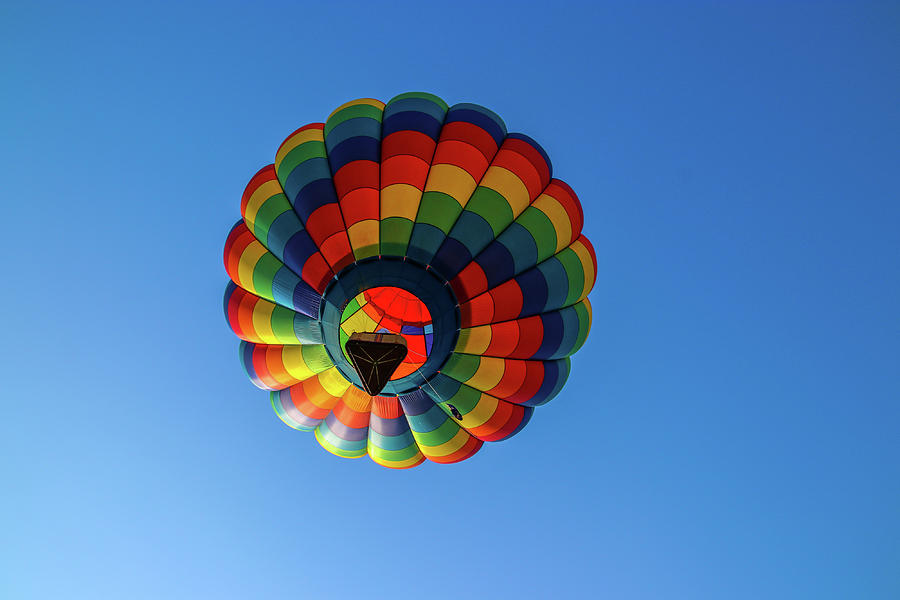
{"points": [[395, 296], [392, 310]]}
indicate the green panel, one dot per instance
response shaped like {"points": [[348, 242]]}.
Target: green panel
{"points": [[264, 273], [315, 357], [302, 153], [283, 324], [575, 271], [492, 207], [270, 210], [329, 440], [353, 112], [461, 367], [584, 325], [422, 95], [393, 455], [439, 209], [464, 400], [395, 234], [541, 229], [438, 436]]}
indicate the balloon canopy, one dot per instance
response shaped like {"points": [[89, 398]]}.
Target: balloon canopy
{"points": [[416, 224]]}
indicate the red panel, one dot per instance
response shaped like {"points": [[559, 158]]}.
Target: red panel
{"points": [[324, 222], [533, 156], [471, 446], [350, 417], [463, 155], [265, 174], [521, 167], [504, 338], [567, 198], [470, 282], [238, 240], [471, 134], [316, 272], [534, 378], [508, 299], [245, 316], [359, 205], [404, 169], [386, 407], [531, 335], [491, 430], [412, 143], [514, 372], [478, 311], [356, 174], [336, 250]]}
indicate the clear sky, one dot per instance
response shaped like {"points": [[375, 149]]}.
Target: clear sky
{"points": [[731, 429]]}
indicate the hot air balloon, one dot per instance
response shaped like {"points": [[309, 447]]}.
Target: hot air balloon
{"points": [[408, 280]]}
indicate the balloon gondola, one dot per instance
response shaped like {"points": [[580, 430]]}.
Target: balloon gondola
{"points": [[408, 280]]}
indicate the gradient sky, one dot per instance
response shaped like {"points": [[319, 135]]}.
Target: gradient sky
{"points": [[731, 428]]}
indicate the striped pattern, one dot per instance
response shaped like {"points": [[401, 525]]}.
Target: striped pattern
{"points": [[439, 188]]}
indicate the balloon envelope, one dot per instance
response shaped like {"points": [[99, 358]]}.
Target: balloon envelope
{"points": [[420, 220]]}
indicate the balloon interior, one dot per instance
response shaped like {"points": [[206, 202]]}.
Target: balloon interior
{"points": [[408, 280]]}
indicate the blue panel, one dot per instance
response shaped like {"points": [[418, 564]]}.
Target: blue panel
{"points": [[414, 121], [388, 428], [526, 416], [478, 115], [424, 242], [285, 226], [525, 138], [522, 246], [451, 258], [556, 275], [497, 263], [350, 434], [314, 195], [534, 292], [399, 441], [419, 105], [304, 173], [553, 335], [283, 398], [358, 127], [355, 148], [298, 250]]}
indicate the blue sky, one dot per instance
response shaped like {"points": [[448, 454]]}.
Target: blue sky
{"points": [[730, 429]]}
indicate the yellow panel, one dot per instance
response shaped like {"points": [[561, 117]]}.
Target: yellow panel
{"points": [[333, 382], [292, 357], [483, 410], [307, 135], [449, 447], [364, 237], [474, 340], [357, 399], [262, 322], [400, 200], [258, 198], [489, 373], [358, 321], [558, 216], [370, 101], [451, 180], [508, 185], [247, 263], [585, 257], [392, 464]]}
